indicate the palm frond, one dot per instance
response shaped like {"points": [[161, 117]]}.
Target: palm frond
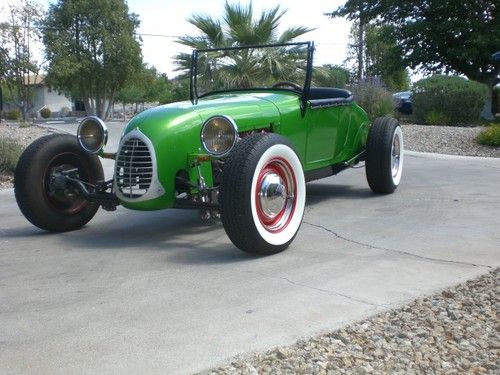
{"points": [[265, 28], [292, 33], [238, 22], [246, 67], [195, 42], [210, 28]]}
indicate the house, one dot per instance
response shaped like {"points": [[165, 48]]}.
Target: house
{"points": [[43, 97]]}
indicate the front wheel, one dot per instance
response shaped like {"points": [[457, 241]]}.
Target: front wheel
{"points": [[43, 202], [262, 194], [384, 155]]}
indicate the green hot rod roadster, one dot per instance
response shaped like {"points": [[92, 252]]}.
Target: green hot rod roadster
{"points": [[242, 148]]}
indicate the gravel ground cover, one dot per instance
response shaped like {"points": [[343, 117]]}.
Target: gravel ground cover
{"points": [[23, 136], [446, 140], [456, 331]]}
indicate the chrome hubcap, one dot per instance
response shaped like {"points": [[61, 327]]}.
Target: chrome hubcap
{"points": [[272, 195], [275, 195]]}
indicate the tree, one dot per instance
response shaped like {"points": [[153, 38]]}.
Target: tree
{"points": [[179, 90], [147, 85], [328, 75], [384, 57], [380, 56], [356, 51], [238, 27], [92, 50], [18, 67], [438, 35]]}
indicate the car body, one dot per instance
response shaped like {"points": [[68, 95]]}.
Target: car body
{"points": [[403, 102], [239, 153]]}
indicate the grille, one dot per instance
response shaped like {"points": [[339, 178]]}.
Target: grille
{"points": [[134, 168]]}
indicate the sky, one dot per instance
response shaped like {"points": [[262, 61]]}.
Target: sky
{"points": [[168, 17]]}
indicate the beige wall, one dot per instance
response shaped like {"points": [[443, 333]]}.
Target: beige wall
{"points": [[51, 99]]}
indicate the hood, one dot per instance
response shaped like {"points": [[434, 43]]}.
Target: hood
{"points": [[248, 110]]}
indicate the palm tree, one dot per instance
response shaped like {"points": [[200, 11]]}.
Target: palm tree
{"points": [[241, 68]]}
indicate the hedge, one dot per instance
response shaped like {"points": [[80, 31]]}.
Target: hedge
{"points": [[448, 100]]}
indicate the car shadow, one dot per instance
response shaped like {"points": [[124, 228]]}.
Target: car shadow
{"points": [[321, 192], [181, 234]]}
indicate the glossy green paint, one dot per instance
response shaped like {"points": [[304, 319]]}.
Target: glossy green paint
{"points": [[323, 136]]}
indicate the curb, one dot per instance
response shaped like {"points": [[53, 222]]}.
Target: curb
{"points": [[432, 155]]}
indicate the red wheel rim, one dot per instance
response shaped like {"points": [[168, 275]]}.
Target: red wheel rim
{"points": [[276, 195]]}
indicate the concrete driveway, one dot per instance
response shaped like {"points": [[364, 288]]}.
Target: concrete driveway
{"points": [[162, 292]]}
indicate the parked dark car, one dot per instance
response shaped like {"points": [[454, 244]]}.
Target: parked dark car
{"points": [[403, 102]]}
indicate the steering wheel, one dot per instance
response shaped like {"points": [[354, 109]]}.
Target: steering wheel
{"points": [[286, 84]]}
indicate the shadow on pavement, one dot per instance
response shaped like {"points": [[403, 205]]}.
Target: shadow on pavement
{"points": [[180, 233], [320, 192]]}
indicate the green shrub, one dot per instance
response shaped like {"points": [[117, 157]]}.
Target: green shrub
{"points": [[436, 118], [454, 100], [490, 136], [373, 98], [13, 114], [9, 155], [45, 112]]}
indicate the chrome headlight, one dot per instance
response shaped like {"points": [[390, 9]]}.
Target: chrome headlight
{"points": [[218, 135], [92, 134]]}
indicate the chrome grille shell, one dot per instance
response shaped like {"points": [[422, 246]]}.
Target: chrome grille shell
{"points": [[135, 174]]}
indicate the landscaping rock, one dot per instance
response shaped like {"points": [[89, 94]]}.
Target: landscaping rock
{"points": [[418, 338]]}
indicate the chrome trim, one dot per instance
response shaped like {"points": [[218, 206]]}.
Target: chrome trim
{"points": [[272, 195], [155, 189], [104, 131], [235, 128]]}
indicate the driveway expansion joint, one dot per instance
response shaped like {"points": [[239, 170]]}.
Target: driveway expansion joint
{"points": [[328, 291], [401, 252]]}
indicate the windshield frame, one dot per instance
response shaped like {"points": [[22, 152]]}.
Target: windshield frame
{"points": [[193, 90]]}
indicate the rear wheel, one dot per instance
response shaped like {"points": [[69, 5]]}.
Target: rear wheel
{"points": [[262, 194], [384, 155], [42, 201]]}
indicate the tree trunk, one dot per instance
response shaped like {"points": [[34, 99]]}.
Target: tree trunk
{"points": [[89, 106], [99, 107], [110, 103], [361, 47]]}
